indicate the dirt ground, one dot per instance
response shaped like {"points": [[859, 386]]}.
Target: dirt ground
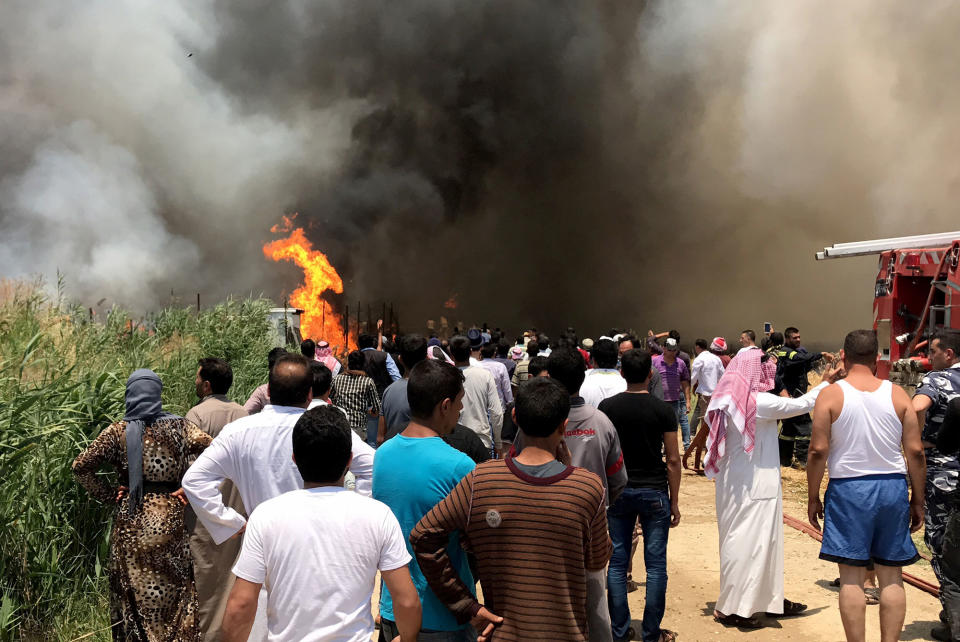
{"points": [[694, 580]]}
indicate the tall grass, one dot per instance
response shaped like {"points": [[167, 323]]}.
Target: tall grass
{"points": [[61, 382]]}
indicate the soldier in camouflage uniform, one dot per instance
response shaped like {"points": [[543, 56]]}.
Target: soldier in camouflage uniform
{"points": [[948, 442], [934, 393]]}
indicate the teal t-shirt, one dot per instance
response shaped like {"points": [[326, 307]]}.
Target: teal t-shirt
{"points": [[411, 476]]}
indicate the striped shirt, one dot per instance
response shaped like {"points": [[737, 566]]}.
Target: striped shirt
{"points": [[671, 376], [531, 564]]}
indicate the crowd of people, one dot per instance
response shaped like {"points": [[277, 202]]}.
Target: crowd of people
{"points": [[533, 467]]}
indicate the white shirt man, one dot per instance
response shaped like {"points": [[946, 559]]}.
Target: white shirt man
{"points": [[313, 554], [705, 372], [255, 453]]}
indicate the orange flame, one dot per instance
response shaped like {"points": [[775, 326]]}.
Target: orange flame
{"points": [[319, 320], [451, 303]]}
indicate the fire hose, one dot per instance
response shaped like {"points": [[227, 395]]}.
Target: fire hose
{"points": [[913, 580]]}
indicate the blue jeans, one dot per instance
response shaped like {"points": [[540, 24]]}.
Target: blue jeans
{"points": [[652, 507], [373, 424], [680, 407]]}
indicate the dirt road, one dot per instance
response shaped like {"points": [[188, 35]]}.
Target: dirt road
{"points": [[693, 568]]}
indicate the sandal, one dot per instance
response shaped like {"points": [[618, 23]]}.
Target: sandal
{"points": [[668, 636], [737, 621], [872, 595], [789, 609]]}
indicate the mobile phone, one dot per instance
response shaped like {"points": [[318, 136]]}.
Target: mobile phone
{"points": [[767, 327]]}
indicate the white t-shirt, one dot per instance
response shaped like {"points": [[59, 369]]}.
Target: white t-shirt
{"points": [[317, 552], [600, 383]]}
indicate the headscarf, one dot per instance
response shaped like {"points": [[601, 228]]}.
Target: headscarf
{"points": [[143, 407], [719, 344], [325, 356], [735, 400]]}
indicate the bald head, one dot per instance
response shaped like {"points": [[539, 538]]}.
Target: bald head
{"points": [[290, 381]]}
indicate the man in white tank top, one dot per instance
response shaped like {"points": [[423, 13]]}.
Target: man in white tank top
{"points": [[860, 425]]}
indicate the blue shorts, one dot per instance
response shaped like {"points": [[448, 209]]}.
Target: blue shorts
{"points": [[868, 518]]}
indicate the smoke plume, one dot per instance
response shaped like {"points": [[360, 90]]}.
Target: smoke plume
{"points": [[659, 164]]}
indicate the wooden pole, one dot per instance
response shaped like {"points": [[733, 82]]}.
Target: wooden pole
{"points": [[358, 317], [323, 316], [346, 326], [198, 303]]}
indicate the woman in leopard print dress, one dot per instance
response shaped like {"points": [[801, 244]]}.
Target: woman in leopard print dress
{"points": [[152, 594]]}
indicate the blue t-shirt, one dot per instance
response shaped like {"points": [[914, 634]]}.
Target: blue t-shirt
{"points": [[411, 476]]}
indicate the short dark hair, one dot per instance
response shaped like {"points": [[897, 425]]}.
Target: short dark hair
{"points": [[322, 444], [366, 340], [536, 366], [432, 381], [543, 342], [308, 348], [413, 350], [635, 365], [776, 338], [322, 378], [503, 348], [542, 405], [604, 353], [566, 366], [488, 350], [627, 337], [460, 348], [218, 372], [356, 360], [751, 334], [702, 344], [861, 347], [949, 340], [673, 334], [532, 348], [273, 355], [290, 386], [790, 331]]}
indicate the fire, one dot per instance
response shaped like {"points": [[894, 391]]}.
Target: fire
{"points": [[451, 303], [319, 320]]}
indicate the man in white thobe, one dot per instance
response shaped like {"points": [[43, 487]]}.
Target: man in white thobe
{"points": [[256, 454], [744, 458]]}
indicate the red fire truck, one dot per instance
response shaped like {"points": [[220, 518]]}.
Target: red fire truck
{"points": [[917, 292]]}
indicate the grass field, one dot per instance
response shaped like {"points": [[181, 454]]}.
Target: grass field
{"points": [[62, 380]]}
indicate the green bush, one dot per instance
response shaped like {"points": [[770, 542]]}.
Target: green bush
{"points": [[62, 379]]}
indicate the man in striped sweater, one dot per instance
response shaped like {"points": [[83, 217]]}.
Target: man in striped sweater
{"points": [[532, 565]]}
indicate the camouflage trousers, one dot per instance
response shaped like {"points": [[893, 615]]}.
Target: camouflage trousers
{"points": [[942, 473], [949, 563]]}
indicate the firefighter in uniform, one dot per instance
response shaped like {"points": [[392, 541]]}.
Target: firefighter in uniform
{"points": [[793, 365]]}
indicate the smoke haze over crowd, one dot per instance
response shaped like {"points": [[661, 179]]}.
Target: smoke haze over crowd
{"points": [[551, 163]]}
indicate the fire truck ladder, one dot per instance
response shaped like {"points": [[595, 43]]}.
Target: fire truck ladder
{"points": [[864, 248]]}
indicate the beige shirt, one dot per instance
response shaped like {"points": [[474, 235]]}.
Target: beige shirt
{"points": [[211, 415], [214, 412]]}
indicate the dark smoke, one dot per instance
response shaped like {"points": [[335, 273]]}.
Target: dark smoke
{"points": [[552, 163]]}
